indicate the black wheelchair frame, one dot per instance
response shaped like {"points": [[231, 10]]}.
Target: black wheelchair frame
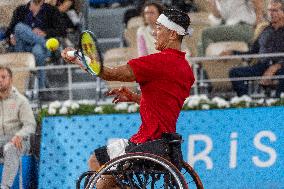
{"points": [[145, 167]]}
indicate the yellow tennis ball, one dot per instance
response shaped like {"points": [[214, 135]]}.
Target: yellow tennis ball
{"points": [[52, 44]]}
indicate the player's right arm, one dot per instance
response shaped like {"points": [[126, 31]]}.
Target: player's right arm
{"points": [[121, 73]]}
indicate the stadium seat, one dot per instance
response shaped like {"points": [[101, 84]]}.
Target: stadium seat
{"points": [[119, 56], [130, 37], [220, 68], [100, 20], [131, 31], [199, 21], [135, 22], [20, 63], [6, 10], [216, 48], [202, 5]]}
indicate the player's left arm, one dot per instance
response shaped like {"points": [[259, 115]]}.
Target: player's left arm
{"points": [[120, 73]]}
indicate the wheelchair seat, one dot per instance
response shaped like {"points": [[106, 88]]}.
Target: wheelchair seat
{"points": [[168, 147]]}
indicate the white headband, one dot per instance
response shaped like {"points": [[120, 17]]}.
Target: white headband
{"points": [[165, 21]]}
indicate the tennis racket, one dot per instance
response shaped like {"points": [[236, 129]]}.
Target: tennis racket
{"points": [[88, 53]]}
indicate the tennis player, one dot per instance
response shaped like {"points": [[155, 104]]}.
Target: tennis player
{"points": [[165, 79]]}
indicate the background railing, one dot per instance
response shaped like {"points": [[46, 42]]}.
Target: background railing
{"points": [[97, 87]]}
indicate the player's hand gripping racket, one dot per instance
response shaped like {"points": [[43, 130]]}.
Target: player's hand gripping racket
{"points": [[88, 53]]}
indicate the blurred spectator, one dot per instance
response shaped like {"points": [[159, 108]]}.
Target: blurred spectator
{"points": [[145, 38], [3, 42], [31, 25], [17, 124], [183, 5], [138, 6], [68, 10], [270, 40], [231, 21]]}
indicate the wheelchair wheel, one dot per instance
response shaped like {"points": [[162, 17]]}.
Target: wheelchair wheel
{"points": [[192, 179], [140, 170], [84, 177]]}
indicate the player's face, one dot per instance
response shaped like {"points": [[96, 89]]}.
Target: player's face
{"points": [[276, 12], [162, 37], [151, 15], [5, 80]]}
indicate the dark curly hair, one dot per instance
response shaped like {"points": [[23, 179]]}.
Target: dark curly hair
{"points": [[178, 17]]}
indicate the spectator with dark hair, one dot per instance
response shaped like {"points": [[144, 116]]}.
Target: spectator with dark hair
{"points": [[138, 6], [145, 38], [184, 5], [270, 40], [31, 25], [68, 11], [17, 124]]}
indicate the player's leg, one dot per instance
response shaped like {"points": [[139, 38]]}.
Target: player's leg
{"points": [[103, 155]]}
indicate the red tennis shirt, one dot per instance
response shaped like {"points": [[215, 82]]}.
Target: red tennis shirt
{"points": [[165, 79]]}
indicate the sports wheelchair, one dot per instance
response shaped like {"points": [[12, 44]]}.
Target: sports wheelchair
{"points": [[155, 164]]}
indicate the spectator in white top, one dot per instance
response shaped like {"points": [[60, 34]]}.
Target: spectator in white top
{"points": [[231, 20], [145, 38]]}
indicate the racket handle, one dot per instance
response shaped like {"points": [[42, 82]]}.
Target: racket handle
{"points": [[88, 60], [71, 54]]}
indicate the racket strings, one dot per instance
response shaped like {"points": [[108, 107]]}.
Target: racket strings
{"points": [[89, 49]]}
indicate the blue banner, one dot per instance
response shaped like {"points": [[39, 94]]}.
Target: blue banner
{"points": [[232, 148]]}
